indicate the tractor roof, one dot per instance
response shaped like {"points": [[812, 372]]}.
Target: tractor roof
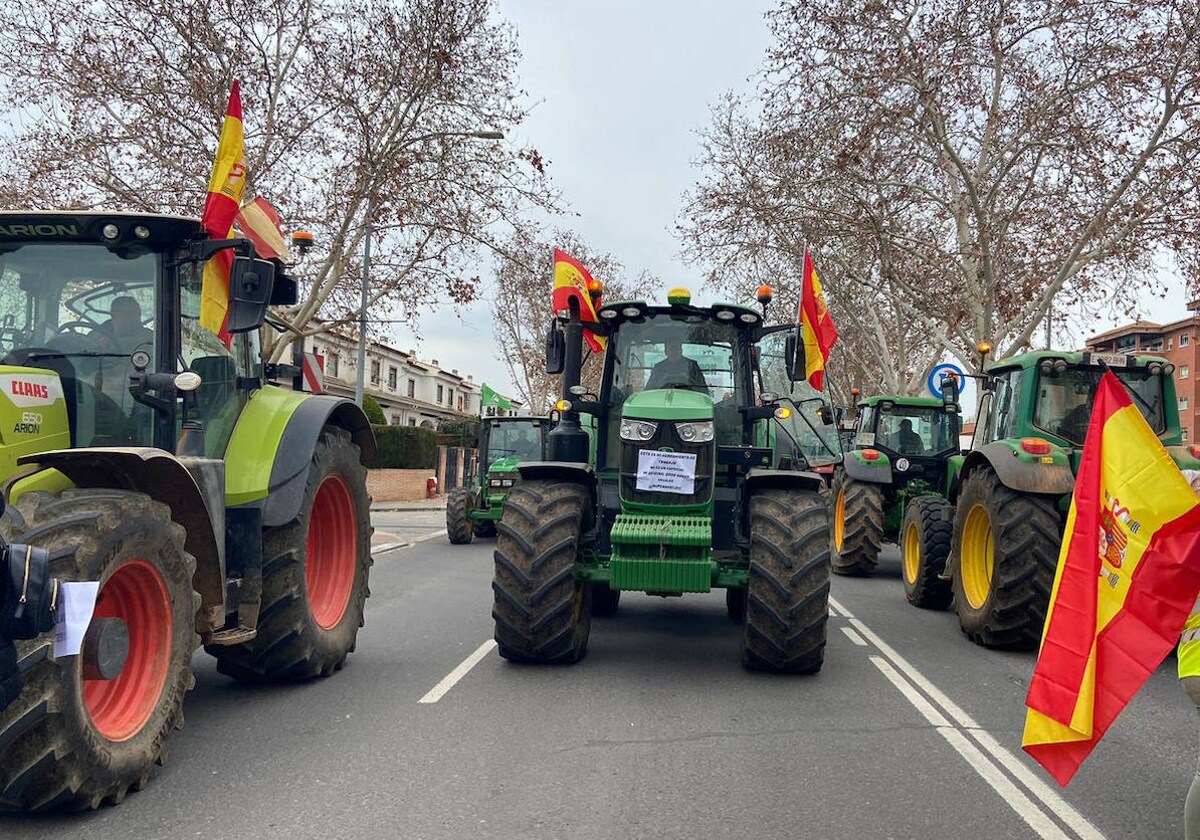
{"points": [[1082, 357], [623, 310], [526, 418], [152, 229], [911, 402]]}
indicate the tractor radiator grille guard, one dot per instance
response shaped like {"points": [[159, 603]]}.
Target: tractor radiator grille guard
{"points": [[666, 437]]}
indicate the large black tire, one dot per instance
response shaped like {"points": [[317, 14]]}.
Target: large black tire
{"points": [[485, 528], [59, 748], [312, 607], [787, 603], [925, 539], [604, 600], [459, 527], [1023, 531], [543, 615], [856, 526], [735, 604]]}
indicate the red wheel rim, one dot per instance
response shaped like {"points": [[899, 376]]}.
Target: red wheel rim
{"points": [[332, 552], [137, 594]]}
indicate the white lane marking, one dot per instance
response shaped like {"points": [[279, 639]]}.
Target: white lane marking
{"points": [[854, 637], [450, 680], [833, 613], [1025, 808], [1039, 788], [386, 547], [430, 536]]}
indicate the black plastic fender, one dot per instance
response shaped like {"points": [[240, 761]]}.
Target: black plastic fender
{"points": [[1016, 473]]}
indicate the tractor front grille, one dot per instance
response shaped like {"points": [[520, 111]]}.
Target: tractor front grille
{"points": [[667, 438]]}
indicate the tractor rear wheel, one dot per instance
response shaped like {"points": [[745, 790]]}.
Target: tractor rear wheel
{"points": [[925, 539], [604, 600], [787, 600], [856, 531], [485, 528], [459, 527], [1004, 554], [315, 571], [542, 613], [68, 742]]}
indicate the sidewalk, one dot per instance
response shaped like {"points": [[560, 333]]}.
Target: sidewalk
{"points": [[419, 504]]}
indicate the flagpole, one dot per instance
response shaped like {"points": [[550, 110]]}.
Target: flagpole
{"points": [[359, 381]]}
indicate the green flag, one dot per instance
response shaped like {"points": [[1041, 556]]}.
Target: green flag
{"points": [[491, 398]]}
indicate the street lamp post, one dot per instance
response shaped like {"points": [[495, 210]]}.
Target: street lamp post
{"points": [[360, 380]]}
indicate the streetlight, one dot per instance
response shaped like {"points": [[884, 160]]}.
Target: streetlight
{"points": [[359, 381]]}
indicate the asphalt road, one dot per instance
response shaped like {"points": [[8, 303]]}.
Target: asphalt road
{"points": [[910, 731]]}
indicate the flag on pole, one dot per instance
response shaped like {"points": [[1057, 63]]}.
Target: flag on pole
{"points": [[259, 222], [816, 325], [488, 397], [1128, 575], [225, 188], [571, 280]]}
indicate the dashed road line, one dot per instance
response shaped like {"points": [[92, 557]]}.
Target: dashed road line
{"points": [[854, 637], [450, 680]]}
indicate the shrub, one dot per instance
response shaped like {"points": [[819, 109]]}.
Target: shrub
{"points": [[404, 448], [373, 411]]}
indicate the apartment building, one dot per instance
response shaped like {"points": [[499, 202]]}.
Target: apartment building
{"points": [[1177, 342]]}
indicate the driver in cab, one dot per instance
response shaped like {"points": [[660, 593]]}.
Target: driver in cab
{"points": [[123, 332], [677, 369]]}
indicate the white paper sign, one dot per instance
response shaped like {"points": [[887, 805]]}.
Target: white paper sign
{"points": [[666, 472], [76, 602]]}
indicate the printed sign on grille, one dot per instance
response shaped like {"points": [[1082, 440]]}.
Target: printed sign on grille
{"points": [[666, 472]]}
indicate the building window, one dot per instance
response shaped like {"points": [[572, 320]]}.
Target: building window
{"points": [[449, 396], [440, 394], [412, 421], [1184, 338], [412, 387], [395, 420], [375, 373], [392, 378], [1170, 344], [1183, 371], [460, 403], [332, 363], [1183, 403]]}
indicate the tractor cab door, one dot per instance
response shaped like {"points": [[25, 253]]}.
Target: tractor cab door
{"points": [[804, 437]]}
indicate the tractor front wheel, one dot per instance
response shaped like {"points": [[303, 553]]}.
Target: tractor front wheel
{"points": [[72, 740], [787, 599], [315, 571], [543, 614], [735, 604], [1004, 556], [459, 527], [925, 540], [856, 531]]}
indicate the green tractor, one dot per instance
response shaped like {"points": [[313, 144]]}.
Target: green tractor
{"points": [[1012, 490], [504, 442], [691, 480], [149, 456], [896, 471]]}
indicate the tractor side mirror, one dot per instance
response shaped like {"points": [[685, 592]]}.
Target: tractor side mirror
{"points": [[250, 282], [556, 349], [793, 351], [950, 390]]}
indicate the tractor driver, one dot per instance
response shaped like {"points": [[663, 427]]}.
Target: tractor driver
{"points": [[123, 332], [677, 369], [526, 446], [909, 441]]}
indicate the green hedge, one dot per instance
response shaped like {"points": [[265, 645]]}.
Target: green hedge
{"points": [[404, 448]]}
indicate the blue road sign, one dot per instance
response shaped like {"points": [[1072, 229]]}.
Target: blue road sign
{"points": [[934, 381]]}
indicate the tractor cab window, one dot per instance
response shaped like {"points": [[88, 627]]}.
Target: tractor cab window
{"points": [[80, 310], [915, 430], [804, 431], [1064, 401], [218, 399], [521, 441]]}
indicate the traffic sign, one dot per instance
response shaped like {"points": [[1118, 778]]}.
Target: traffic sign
{"points": [[934, 380]]}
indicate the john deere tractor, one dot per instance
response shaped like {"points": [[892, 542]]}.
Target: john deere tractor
{"points": [[695, 483], [504, 442], [898, 468], [1012, 491], [149, 456]]}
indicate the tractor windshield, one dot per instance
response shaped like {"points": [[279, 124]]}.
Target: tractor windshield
{"points": [[1064, 401], [519, 439], [913, 430], [81, 309]]}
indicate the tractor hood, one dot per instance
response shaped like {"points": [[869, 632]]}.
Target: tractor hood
{"points": [[668, 404], [504, 465]]}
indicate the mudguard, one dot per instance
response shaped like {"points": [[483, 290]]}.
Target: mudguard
{"points": [[874, 472], [760, 479], [270, 452], [572, 471], [1050, 475]]}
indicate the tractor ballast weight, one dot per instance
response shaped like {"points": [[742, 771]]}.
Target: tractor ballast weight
{"points": [[1011, 492], [151, 457], [692, 482]]}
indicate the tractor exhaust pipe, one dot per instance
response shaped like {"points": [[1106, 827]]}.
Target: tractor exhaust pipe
{"points": [[568, 441]]}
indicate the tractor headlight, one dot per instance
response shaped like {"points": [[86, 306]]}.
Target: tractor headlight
{"points": [[495, 483], [508, 482], [637, 430], [700, 432]]}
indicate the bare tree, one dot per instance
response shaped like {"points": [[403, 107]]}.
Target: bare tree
{"points": [[358, 116], [987, 161], [522, 308]]}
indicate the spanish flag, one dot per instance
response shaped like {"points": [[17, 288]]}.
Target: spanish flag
{"points": [[225, 188], [259, 222], [1127, 577], [818, 331], [572, 280]]}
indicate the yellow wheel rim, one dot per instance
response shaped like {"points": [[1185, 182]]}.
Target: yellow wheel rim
{"points": [[912, 553], [977, 557], [839, 519]]}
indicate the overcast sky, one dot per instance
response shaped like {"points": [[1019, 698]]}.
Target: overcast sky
{"points": [[620, 89]]}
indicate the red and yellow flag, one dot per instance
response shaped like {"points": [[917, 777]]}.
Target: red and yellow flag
{"points": [[259, 222], [816, 325], [1127, 577], [572, 280], [225, 188]]}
